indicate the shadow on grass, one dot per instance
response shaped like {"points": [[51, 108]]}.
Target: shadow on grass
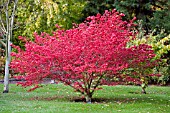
{"points": [[117, 100], [121, 100]]}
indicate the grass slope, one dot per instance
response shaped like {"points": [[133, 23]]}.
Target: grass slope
{"points": [[60, 99]]}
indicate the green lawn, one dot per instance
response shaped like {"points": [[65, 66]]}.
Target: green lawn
{"points": [[60, 99]]}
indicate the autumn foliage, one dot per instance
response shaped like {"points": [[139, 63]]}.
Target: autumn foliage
{"points": [[83, 56]]}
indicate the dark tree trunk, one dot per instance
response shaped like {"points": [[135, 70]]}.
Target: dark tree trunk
{"points": [[143, 90]]}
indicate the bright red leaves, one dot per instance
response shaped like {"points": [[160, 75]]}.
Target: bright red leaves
{"points": [[82, 56]]}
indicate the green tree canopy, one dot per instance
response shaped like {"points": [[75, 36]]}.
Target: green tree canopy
{"points": [[155, 14], [42, 15]]}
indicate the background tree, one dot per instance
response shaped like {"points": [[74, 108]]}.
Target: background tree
{"points": [[7, 14], [42, 15], [155, 14], [162, 50]]}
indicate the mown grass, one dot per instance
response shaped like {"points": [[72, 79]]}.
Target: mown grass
{"points": [[61, 99]]}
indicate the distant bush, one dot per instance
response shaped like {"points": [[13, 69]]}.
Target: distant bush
{"points": [[2, 62], [161, 48]]}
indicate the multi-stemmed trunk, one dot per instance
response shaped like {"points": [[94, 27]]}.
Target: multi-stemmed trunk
{"points": [[7, 34]]}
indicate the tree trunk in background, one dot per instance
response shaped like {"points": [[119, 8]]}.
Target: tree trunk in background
{"points": [[8, 59], [6, 27], [143, 90]]}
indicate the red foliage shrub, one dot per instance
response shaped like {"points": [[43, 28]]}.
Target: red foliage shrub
{"points": [[82, 56]]}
